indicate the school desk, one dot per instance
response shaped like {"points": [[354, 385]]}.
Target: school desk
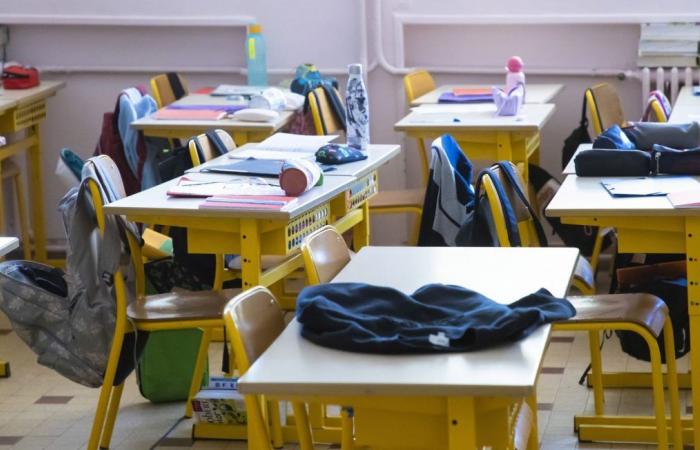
{"points": [[241, 131], [437, 401], [643, 225], [7, 244], [21, 113], [481, 134], [534, 93]]}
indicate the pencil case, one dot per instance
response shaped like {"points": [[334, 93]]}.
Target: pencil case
{"points": [[618, 163], [676, 162], [645, 135]]}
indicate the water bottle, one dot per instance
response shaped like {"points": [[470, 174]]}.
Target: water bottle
{"points": [[514, 73], [255, 55], [357, 113]]}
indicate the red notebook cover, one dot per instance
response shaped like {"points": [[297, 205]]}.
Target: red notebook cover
{"points": [[462, 92], [188, 114], [204, 90]]}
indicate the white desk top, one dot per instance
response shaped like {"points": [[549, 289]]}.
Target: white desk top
{"points": [[204, 99], [295, 366], [9, 98], [476, 117], [571, 167], [687, 107], [156, 201], [585, 196], [7, 244], [536, 93], [686, 98]]}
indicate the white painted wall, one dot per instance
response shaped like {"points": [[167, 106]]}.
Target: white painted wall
{"points": [[574, 35]]}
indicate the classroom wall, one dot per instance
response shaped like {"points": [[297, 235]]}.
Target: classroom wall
{"points": [[88, 45]]}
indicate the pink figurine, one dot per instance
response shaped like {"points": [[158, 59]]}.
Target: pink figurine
{"points": [[515, 75]]}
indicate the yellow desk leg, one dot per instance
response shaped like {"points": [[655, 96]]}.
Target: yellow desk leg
{"points": [[4, 369], [533, 442], [360, 232], [35, 181], [504, 148], [692, 245], [240, 137], [250, 253], [461, 422]]}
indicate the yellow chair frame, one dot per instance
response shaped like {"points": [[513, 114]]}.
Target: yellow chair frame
{"points": [[110, 395], [593, 329]]}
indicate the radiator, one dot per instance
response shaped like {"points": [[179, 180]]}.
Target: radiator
{"points": [[669, 81]]}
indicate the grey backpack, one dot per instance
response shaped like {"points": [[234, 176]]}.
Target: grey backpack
{"points": [[68, 318]]}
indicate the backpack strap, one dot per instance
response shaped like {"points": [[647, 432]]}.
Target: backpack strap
{"points": [[506, 207], [175, 85], [216, 141], [515, 183]]}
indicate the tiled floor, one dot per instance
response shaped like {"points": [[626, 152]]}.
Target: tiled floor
{"points": [[41, 410]]}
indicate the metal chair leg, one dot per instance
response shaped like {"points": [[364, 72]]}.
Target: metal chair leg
{"points": [[115, 399], [198, 369]]}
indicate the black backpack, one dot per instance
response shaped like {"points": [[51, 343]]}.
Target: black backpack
{"points": [[478, 229], [577, 137]]}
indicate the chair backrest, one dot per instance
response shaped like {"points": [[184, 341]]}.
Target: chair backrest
{"points": [[417, 83], [526, 222], [325, 120], [106, 166], [658, 108], [163, 90], [604, 107], [207, 149], [325, 253], [253, 320]]}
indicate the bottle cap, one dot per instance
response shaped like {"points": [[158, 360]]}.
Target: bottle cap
{"points": [[514, 64], [254, 28], [355, 69]]}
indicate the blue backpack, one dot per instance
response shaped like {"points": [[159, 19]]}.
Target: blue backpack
{"points": [[307, 78]]}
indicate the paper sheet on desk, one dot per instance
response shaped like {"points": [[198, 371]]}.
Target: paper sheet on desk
{"points": [[449, 108], [295, 142], [203, 186], [648, 186]]}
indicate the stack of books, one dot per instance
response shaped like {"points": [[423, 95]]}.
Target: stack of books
{"points": [[674, 44], [220, 403], [467, 95]]}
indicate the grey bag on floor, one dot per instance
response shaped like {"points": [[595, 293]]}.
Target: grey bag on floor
{"points": [[68, 319]]}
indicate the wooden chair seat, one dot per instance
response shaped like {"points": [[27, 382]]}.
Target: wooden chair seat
{"points": [[646, 310], [398, 198], [9, 168], [181, 306]]}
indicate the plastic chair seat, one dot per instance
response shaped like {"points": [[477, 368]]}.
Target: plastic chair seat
{"points": [[181, 306], [645, 310], [398, 198], [9, 168]]}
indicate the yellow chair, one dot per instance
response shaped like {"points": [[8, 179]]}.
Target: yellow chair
{"points": [[177, 310], [416, 84], [325, 254], [207, 150], [655, 112], [163, 90], [253, 321], [385, 202], [604, 107], [643, 314]]}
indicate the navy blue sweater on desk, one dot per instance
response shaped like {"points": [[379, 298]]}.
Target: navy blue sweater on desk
{"points": [[436, 318]]}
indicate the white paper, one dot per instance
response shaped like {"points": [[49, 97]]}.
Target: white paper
{"points": [[648, 186], [295, 142], [232, 89], [191, 186]]}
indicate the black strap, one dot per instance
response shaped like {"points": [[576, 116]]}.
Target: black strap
{"points": [[216, 141], [514, 180], [584, 119], [175, 85], [508, 213]]}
